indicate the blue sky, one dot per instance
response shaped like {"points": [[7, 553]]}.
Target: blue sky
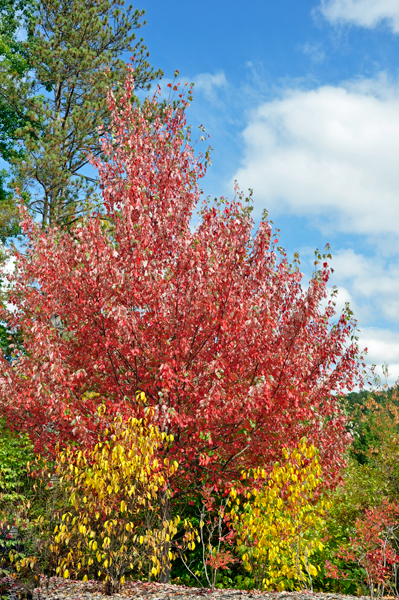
{"points": [[301, 101]]}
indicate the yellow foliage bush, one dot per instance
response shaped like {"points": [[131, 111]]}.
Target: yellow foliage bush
{"points": [[279, 521], [115, 523]]}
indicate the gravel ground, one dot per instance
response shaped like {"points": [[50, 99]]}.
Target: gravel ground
{"points": [[66, 589]]}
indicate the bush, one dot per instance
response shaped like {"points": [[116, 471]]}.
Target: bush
{"points": [[279, 527], [15, 491], [114, 524], [374, 548]]}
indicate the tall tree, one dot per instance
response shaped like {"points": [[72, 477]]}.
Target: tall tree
{"points": [[14, 15], [73, 53], [234, 356]]}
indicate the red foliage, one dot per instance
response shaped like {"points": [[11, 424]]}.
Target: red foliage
{"points": [[374, 547], [209, 322]]}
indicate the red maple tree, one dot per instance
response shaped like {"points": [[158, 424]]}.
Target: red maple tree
{"points": [[211, 322]]}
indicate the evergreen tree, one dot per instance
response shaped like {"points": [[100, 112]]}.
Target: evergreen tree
{"points": [[53, 89], [14, 15]]}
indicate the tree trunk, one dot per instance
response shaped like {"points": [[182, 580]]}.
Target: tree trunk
{"points": [[166, 567]]}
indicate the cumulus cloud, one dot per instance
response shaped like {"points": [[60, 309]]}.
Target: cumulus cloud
{"points": [[210, 84], [372, 281], [340, 299], [383, 347], [370, 284], [330, 151], [363, 13]]}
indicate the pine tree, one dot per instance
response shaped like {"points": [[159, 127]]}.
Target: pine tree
{"points": [[14, 14], [57, 96]]}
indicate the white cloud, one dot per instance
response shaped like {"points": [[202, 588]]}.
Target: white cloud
{"points": [[383, 347], [341, 299], [371, 286], [209, 84], [330, 151], [314, 51], [364, 13], [7, 267], [206, 84], [373, 283]]}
